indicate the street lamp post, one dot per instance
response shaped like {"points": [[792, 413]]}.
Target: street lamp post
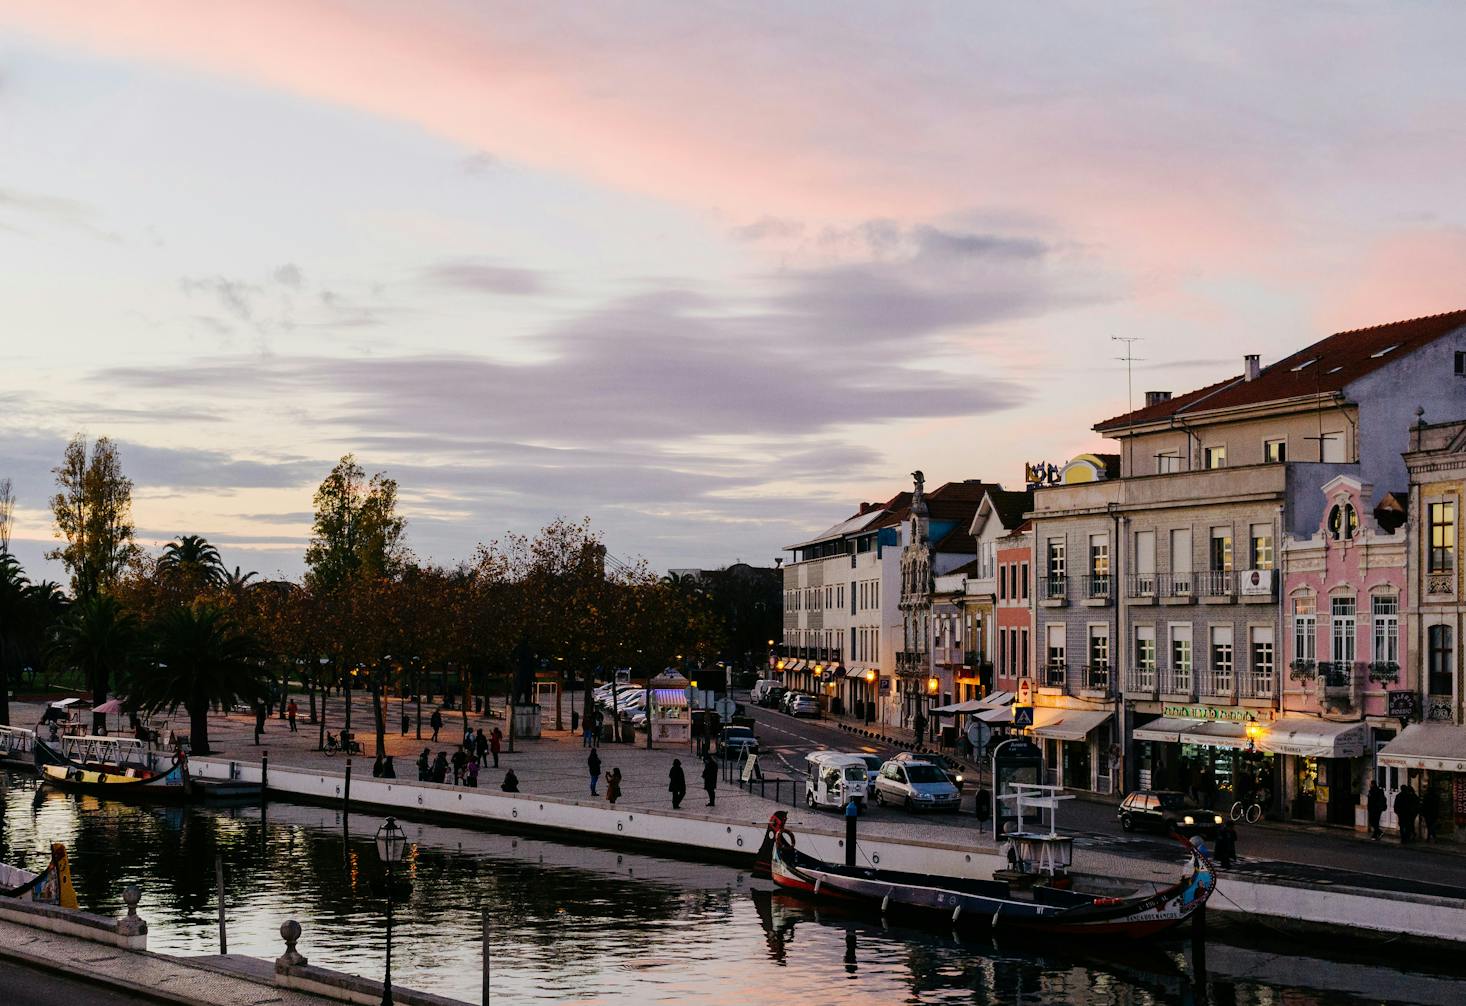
{"points": [[391, 842], [870, 697]]}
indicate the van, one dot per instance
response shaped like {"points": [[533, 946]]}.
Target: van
{"points": [[833, 779], [760, 689]]}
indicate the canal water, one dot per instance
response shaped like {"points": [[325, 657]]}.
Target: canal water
{"points": [[584, 925]]}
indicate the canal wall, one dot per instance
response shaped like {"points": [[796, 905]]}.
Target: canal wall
{"points": [[684, 834]]}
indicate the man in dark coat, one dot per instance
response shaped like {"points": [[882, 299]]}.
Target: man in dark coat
{"points": [[481, 746], [1430, 811], [1376, 805], [677, 783], [436, 722], [1406, 806], [710, 779], [593, 763]]}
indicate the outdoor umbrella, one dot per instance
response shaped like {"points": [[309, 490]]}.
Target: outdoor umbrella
{"points": [[109, 707]]}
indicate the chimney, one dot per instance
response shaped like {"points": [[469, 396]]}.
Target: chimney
{"points": [[1250, 366], [1156, 397]]}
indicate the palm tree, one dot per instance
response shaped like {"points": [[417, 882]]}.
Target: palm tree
{"points": [[14, 619], [100, 637], [201, 658], [193, 558], [236, 583]]}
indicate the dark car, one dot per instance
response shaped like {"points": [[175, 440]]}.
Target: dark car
{"points": [[772, 697], [1167, 811]]}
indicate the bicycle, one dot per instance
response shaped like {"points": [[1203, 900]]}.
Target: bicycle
{"points": [[1252, 812]]}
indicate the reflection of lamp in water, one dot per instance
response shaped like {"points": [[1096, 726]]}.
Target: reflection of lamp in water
{"points": [[391, 841]]}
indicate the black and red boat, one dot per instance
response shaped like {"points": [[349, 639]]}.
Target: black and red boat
{"points": [[997, 904]]}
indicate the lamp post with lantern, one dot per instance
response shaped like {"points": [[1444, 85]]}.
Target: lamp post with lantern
{"points": [[391, 843], [870, 697], [932, 685]]}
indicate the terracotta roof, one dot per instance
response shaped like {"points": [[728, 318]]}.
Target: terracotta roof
{"points": [[969, 568], [959, 539], [1010, 505], [1329, 365]]}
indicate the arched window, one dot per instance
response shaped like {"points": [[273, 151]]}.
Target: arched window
{"points": [[1343, 522]]}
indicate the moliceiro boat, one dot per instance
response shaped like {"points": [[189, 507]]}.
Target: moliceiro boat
{"points": [[111, 779], [52, 886], [1005, 905]]}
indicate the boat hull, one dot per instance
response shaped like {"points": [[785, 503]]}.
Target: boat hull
{"points": [[56, 772]]}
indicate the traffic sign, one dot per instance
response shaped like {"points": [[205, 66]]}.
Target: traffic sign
{"points": [[726, 707], [1023, 716]]}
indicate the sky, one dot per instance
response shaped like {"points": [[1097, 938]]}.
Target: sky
{"points": [[707, 273]]}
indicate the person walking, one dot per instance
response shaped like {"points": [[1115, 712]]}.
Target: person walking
{"points": [[1226, 844], [481, 746], [1376, 805], [677, 783], [1406, 806], [511, 782], [424, 766], [470, 774], [460, 765], [496, 739], [290, 712], [710, 779], [587, 728], [1430, 811], [613, 785], [593, 763], [436, 722], [440, 768]]}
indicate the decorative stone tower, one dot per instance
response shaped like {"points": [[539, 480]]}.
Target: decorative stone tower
{"points": [[913, 663]]}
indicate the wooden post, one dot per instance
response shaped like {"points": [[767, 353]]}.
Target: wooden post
{"points": [[852, 814], [264, 773], [486, 956], [219, 883], [346, 804]]}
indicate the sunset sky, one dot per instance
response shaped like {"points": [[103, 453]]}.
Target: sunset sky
{"points": [[709, 273]]}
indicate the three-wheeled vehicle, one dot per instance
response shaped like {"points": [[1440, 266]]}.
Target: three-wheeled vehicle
{"points": [[833, 778]]}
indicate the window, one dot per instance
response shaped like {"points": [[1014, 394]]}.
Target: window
{"points": [[1442, 557], [1023, 580], [1056, 558], [1274, 452], [1003, 582], [1099, 555], [1221, 659], [1441, 678], [1305, 626], [1341, 635], [1261, 683], [1262, 546], [1181, 649], [1221, 549], [1181, 550], [1003, 661], [1343, 522], [1145, 648], [1099, 647], [1168, 463], [1214, 457], [1023, 653], [1054, 635], [1331, 447], [1145, 553], [1386, 611]]}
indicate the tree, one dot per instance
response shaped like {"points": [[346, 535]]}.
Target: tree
{"points": [[93, 511], [200, 658], [100, 637], [357, 530], [193, 561], [7, 514], [14, 617]]}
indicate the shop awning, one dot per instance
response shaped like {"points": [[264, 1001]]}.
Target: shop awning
{"points": [[999, 698], [1439, 747], [1308, 737], [1068, 724], [669, 697], [1215, 734], [1165, 730], [970, 706], [856, 673], [1002, 714]]}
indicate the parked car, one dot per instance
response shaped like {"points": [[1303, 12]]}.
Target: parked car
{"points": [[1167, 811], [761, 689], [916, 785], [737, 742], [833, 779], [804, 705], [955, 770], [873, 762], [773, 697]]}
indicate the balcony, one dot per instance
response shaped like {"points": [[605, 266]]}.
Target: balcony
{"points": [[1053, 591], [947, 656], [1054, 675], [1258, 684], [1176, 587], [1218, 682], [1140, 681], [1095, 680], [1095, 588], [1141, 585], [912, 663], [1176, 681], [1336, 684], [1217, 585]]}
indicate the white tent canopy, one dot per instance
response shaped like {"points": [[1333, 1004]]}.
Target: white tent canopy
{"points": [[1438, 747], [1310, 737]]}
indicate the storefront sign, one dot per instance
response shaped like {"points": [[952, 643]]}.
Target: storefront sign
{"points": [[1207, 713], [1255, 582], [1404, 704]]}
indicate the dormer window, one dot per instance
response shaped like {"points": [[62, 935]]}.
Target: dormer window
{"points": [[1343, 522]]}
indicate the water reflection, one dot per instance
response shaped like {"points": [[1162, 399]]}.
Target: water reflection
{"points": [[589, 925]]}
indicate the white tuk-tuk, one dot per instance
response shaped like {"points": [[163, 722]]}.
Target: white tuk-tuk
{"points": [[833, 778]]}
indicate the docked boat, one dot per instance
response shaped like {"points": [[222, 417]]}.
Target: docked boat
{"points": [[15, 747], [52, 886], [1012, 904], [113, 779]]}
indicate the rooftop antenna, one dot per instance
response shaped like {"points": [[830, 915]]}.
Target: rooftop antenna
{"points": [[1128, 359]]}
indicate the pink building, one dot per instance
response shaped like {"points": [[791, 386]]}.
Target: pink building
{"points": [[1344, 595]]}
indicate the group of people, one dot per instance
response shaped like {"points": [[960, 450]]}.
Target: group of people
{"points": [[676, 780], [1409, 807], [463, 766]]}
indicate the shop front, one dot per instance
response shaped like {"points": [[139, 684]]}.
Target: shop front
{"points": [[1077, 747], [1432, 759], [1324, 766], [1216, 761]]}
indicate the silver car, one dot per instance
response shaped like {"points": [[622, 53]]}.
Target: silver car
{"points": [[916, 786]]}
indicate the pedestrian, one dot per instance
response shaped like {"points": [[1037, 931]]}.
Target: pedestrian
{"points": [[406, 724], [424, 766], [511, 782], [587, 728], [710, 779], [259, 720], [597, 729], [918, 726], [460, 765], [1406, 806], [440, 768], [377, 768], [481, 746], [495, 739], [389, 771], [677, 783], [290, 712], [470, 774], [593, 763], [1430, 811], [613, 785], [1377, 805], [1226, 844], [468, 737], [436, 722], [574, 721]]}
